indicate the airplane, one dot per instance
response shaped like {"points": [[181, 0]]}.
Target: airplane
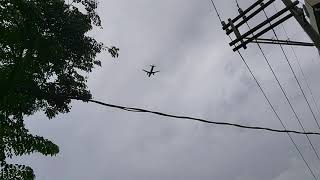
{"points": [[151, 72]]}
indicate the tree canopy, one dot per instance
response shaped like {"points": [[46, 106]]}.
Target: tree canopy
{"points": [[45, 55]]}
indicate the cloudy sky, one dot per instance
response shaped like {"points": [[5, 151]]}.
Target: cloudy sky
{"points": [[201, 77]]}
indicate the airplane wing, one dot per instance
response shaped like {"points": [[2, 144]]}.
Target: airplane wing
{"points": [[156, 71], [145, 71]]}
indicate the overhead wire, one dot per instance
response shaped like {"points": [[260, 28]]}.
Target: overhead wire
{"points": [[215, 8], [140, 110], [294, 74], [290, 104], [282, 89], [270, 104], [284, 93], [309, 140], [301, 70], [300, 87]]}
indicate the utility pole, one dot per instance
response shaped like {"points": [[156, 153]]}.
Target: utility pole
{"points": [[291, 10], [307, 27]]}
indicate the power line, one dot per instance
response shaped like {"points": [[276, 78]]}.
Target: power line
{"points": [[294, 74], [215, 8], [265, 57], [285, 94], [308, 85], [282, 89], [312, 146], [295, 145], [278, 117], [140, 110], [300, 67], [292, 109]]}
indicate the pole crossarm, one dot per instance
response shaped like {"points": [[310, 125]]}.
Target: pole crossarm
{"points": [[262, 32], [253, 35], [258, 27], [282, 42], [243, 14], [246, 19], [299, 16]]}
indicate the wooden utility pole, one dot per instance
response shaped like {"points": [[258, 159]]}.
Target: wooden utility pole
{"points": [[291, 10], [307, 27]]}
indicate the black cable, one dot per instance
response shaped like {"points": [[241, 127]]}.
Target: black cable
{"points": [[294, 113], [282, 89], [300, 67], [286, 96], [215, 8], [294, 74], [237, 3], [308, 85], [265, 57], [140, 110], [295, 145]]}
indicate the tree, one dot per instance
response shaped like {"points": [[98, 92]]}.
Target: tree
{"points": [[45, 56]]}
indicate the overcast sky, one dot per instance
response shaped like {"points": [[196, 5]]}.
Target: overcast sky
{"points": [[200, 76]]}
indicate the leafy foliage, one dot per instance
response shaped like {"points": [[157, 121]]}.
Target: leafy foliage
{"points": [[113, 51], [15, 140], [44, 56]]}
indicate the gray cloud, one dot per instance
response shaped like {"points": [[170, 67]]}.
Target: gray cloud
{"points": [[200, 76]]}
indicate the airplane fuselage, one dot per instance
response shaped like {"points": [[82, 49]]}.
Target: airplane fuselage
{"points": [[151, 69], [151, 72]]}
